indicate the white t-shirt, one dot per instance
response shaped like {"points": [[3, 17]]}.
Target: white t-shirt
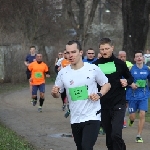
{"points": [[59, 62], [79, 84]]}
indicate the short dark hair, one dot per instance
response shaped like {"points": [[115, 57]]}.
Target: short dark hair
{"points": [[75, 42], [105, 41], [90, 49], [32, 47], [138, 51]]}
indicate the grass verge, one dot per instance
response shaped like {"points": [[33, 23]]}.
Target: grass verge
{"points": [[147, 117], [9, 140]]}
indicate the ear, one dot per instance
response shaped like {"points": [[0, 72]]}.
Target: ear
{"points": [[112, 48], [81, 52]]}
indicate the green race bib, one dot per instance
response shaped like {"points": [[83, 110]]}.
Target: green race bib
{"points": [[78, 93], [38, 74], [141, 83], [108, 68]]}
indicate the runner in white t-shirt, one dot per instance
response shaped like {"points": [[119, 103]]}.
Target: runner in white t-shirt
{"points": [[80, 81]]}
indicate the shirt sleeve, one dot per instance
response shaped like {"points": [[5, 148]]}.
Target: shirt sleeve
{"points": [[59, 62], [27, 58], [101, 79], [126, 74], [148, 73], [59, 82], [46, 68], [30, 67]]}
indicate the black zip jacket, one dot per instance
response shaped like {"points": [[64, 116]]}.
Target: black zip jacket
{"points": [[116, 95]]}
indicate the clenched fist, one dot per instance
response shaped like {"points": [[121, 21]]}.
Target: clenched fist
{"points": [[55, 91], [123, 82], [94, 97]]}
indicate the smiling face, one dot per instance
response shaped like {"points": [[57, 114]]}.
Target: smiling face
{"points": [[73, 54], [139, 59], [106, 50]]}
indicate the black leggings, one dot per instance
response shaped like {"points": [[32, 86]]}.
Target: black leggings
{"points": [[85, 134], [112, 121]]}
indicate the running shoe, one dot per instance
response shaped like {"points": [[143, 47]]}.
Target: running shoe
{"points": [[124, 124], [40, 109], [130, 123], [64, 107], [139, 140], [34, 102], [31, 101], [67, 114], [101, 131]]}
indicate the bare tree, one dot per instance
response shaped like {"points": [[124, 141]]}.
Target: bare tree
{"points": [[79, 22], [136, 25]]}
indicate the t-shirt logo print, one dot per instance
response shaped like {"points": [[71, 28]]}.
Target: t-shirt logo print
{"points": [[71, 82]]}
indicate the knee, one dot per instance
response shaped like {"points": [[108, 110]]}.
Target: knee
{"points": [[115, 136], [34, 96], [42, 95], [142, 114]]}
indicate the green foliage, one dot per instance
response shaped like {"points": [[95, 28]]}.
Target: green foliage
{"points": [[147, 118], [9, 140]]}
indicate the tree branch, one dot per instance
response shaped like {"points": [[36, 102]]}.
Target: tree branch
{"points": [[91, 16], [71, 14]]}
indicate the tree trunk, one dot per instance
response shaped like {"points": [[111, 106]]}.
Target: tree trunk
{"points": [[136, 24]]}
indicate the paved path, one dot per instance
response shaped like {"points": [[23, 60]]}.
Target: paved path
{"points": [[43, 130]]}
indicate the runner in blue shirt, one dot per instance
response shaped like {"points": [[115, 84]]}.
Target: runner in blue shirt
{"points": [[90, 56], [138, 93]]}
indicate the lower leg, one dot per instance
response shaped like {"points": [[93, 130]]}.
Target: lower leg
{"points": [[41, 99], [141, 122]]}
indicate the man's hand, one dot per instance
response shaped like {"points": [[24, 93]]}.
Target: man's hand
{"points": [[30, 80], [134, 86], [123, 82], [55, 91], [47, 75], [94, 97], [59, 68]]}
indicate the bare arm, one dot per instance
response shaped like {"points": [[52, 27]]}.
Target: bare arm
{"points": [[105, 88], [26, 63]]}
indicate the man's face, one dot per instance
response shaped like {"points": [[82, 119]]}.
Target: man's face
{"points": [[32, 50], [122, 57], [139, 59], [60, 55], [147, 51], [106, 50], [65, 55], [73, 54], [39, 57], [90, 54]]}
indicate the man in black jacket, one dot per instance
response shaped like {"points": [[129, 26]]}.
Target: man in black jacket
{"points": [[113, 104]]}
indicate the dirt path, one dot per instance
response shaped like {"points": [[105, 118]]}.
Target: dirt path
{"points": [[44, 129]]}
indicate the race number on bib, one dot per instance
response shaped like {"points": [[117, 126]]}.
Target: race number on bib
{"points": [[108, 68], [141, 83], [78, 93], [38, 74]]}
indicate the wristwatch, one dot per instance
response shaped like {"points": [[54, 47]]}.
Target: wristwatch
{"points": [[99, 94]]}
